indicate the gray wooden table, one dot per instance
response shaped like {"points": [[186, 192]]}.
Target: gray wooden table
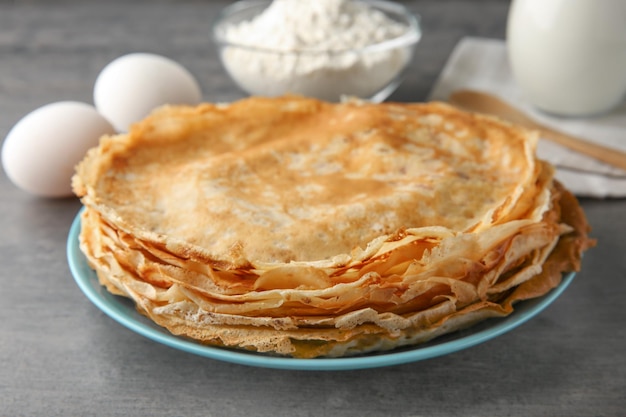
{"points": [[61, 356]]}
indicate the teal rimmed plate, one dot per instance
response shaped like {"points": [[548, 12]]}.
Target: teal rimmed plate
{"points": [[123, 311]]}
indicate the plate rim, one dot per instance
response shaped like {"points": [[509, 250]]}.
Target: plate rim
{"points": [[85, 278]]}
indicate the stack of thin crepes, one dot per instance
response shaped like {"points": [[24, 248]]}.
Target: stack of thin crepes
{"points": [[303, 228]]}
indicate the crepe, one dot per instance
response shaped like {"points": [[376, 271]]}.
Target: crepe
{"points": [[303, 228]]}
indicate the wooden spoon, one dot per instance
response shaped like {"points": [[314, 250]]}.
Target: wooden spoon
{"points": [[480, 102]]}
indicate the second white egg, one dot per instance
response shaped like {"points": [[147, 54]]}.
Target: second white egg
{"points": [[133, 85], [41, 150]]}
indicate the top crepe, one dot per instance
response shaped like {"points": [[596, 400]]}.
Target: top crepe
{"points": [[275, 181]]}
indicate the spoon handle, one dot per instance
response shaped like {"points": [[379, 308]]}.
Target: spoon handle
{"points": [[486, 103], [610, 156]]}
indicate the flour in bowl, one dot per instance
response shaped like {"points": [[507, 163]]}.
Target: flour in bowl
{"points": [[316, 48]]}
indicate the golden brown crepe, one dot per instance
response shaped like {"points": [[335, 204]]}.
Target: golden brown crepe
{"points": [[303, 228]]}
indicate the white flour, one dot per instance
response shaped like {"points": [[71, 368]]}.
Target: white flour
{"points": [[327, 35]]}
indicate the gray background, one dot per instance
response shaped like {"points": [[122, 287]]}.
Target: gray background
{"points": [[61, 356]]}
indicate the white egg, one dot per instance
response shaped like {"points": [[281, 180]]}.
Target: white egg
{"points": [[133, 85], [41, 151]]}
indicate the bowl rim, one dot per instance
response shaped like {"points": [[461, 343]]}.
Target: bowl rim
{"points": [[411, 37]]}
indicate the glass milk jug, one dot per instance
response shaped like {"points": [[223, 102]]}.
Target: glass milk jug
{"points": [[569, 56]]}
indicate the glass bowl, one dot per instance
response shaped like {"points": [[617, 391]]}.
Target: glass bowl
{"points": [[371, 72]]}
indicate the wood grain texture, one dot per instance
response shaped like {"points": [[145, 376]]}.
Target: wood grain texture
{"points": [[60, 356]]}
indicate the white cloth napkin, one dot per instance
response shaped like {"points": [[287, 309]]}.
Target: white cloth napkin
{"points": [[482, 64]]}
